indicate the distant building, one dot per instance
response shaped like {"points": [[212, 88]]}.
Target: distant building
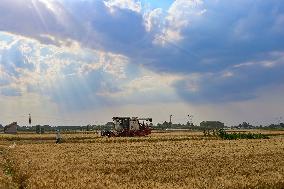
{"points": [[11, 128]]}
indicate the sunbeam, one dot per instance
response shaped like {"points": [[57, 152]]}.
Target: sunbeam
{"points": [[85, 55], [38, 12]]}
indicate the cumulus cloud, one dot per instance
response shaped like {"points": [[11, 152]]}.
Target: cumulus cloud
{"points": [[154, 20], [179, 16]]}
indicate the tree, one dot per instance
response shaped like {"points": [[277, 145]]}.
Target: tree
{"points": [[212, 124]]}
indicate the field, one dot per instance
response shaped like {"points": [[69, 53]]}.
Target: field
{"points": [[162, 160]]}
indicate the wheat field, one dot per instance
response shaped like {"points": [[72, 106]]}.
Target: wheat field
{"points": [[159, 161]]}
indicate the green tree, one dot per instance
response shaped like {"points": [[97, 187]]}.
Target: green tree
{"points": [[212, 124]]}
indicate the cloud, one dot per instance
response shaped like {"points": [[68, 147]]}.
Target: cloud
{"points": [[238, 83], [276, 59], [28, 65], [222, 42], [179, 16], [10, 92], [147, 87], [77, 78], [5, 78], [154, 20], [34, 18], [123, 4]]}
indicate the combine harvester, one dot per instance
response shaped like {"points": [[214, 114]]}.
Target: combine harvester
{"points": [[129, 127]]}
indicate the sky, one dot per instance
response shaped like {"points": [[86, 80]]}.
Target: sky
{"points": [[77, 62]]}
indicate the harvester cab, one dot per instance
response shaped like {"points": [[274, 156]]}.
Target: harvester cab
{"points": [[129, 127]]}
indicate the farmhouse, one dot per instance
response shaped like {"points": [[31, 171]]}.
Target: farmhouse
{"points": [[11, 128]]}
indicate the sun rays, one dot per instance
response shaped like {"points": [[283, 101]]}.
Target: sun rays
{"points": [[39, 14]]}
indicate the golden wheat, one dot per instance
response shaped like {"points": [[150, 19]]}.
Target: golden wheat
{"points": [[137, 163]]}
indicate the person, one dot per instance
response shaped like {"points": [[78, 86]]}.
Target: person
{"points": [[58, 137], [147, 126], [143, 125]]}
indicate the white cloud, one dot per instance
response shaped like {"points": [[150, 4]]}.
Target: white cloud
{"points": [[5, 78], [112, 74], [4, 45], [153, 19], [179, 16], [182, 12], [153, 81], [38, 19], [147, 82], [52, 64], [124, 4], [271, 60], [110, 63], [114, 64], [51, 5]]}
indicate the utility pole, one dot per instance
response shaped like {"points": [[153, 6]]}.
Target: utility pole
{"points": [[280, 120], [171, 120], [190, 117], [30, 119]]}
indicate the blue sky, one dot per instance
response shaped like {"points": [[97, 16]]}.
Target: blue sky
{"points": [[84, 61]]}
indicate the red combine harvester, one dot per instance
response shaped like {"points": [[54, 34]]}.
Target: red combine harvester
{"points": [[129, 127]]}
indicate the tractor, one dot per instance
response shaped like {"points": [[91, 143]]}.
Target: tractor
{"points": [[129, 127]]}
